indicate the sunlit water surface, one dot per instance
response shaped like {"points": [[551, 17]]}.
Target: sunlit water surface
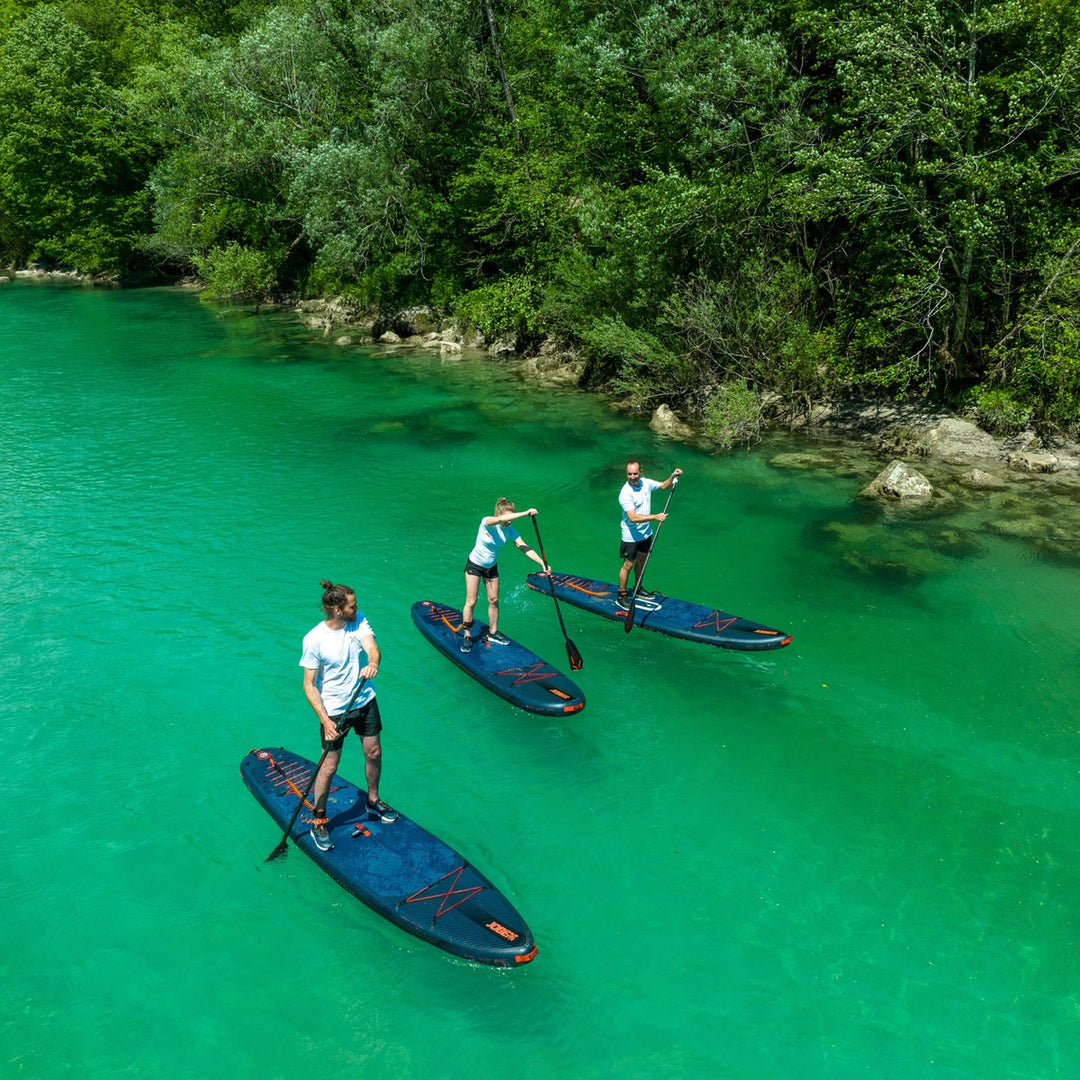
{"points": [[853, 857]]}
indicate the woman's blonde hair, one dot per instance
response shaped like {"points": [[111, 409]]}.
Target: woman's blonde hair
{"points": [[502, 505]]}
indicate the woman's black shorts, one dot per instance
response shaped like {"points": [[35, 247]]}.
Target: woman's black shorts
{"points": [[488, 573]]}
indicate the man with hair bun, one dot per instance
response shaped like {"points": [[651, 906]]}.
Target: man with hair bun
{"points": [[340, 659]]}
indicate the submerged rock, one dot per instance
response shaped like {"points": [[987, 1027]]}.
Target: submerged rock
{"points": [[979, 480], [878, 550], [898, 481], [1039, 461]]}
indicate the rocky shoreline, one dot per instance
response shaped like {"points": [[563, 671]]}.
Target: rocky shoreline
{"points": [[904, 430]]}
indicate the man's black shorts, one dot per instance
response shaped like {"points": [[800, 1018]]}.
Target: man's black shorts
{"points": [[364, 721], [631, 549]]}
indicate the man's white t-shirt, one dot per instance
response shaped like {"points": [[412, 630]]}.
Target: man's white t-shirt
{"points": [[639, 500], [338, 657]]}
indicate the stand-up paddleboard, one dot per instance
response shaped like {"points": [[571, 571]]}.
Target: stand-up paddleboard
{"points": [[511, 671], [397, 868], [664, 614]]}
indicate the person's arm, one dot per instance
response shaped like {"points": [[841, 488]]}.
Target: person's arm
{"points": [[374, 657], [632, 515], [311, 692], [507, 516], [671, 479], [538, 559]]}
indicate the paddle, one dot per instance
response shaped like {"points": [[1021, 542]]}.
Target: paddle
{"points": [[637, 584], [571, 649], [283, 844]]}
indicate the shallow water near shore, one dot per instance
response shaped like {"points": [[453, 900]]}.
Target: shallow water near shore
{"points": [[856, 856]]}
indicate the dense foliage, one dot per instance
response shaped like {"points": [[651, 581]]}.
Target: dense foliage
{"points": [[724, 203]]}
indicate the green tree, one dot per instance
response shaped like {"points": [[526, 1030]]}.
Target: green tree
{"points": [[696, 105], [926, 193], [72, 163], [234, 119]]}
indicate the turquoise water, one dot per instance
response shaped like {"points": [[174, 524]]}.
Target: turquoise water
{"points": [[853, 857]]}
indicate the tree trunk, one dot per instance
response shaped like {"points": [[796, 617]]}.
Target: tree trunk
{"points": [[963, 298], [507, 92]]}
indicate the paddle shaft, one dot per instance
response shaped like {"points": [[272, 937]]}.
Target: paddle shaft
{"points": [[571, 649], [648, 555], [283, 844]]}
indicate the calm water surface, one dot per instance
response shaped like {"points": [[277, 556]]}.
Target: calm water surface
{"points": [[853, 857]]}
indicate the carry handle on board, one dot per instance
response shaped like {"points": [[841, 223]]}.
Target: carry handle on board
{"points": [[283, 843], [637, 584], [571, 649]]}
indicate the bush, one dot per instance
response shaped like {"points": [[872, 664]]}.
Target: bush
{"points": [[733, 415], [507, 308], [642, 366], [999, 409], [237, 273]]}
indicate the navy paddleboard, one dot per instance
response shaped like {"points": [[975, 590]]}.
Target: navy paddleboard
{"points": [[664, 614], [511, 671], [399, 869]]}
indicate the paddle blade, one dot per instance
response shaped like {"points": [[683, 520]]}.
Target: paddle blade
{"points": [[573, 655], [629, 624], [281, 849]]}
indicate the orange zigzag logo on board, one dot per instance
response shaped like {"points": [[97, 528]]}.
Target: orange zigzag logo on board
{"points": [[714, 621], [533, 673]]}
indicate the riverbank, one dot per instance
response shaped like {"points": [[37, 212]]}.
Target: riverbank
{"points": [[912, 430]]}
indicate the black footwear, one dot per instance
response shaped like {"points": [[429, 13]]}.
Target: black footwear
{"points": [[498, 639], [622, 601], [321, 835], [646, 594], [381, 811], [466, 643]]}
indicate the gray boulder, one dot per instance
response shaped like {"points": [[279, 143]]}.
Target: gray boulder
{"points": [[898, 481]]}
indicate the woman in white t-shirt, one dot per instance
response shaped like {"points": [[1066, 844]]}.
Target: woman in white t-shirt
{"points": [[494, 532]]}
